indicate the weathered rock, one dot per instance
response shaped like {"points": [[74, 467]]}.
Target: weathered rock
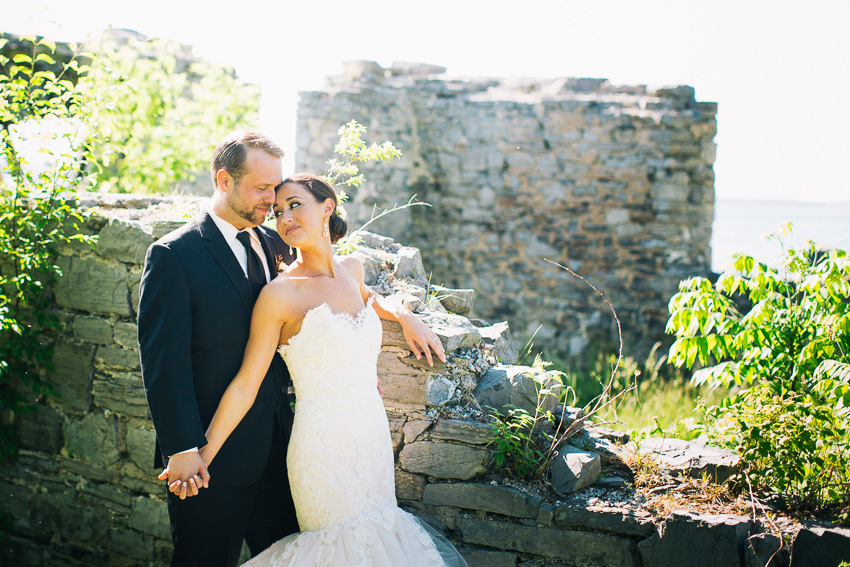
{"points": [[116, 357], [488, 557], [64, 516], [403, 380], [455, 332], [572, 547], [121, 392], [520, 386], [373, 240], [498, 344], [133, 544], [691, 457], [72, 374], [94, 285], [410, 265], [484, 497], [713, 541], [444, 460], [458, 301], [125, 241], [470, 432], [573, 469], [126, 334], [151, 517], [409, 486], [610, 519], [765, 550], [41, 430], [820, 547], [414, 428], [95, 330], [92, 440], [141, 443], [371, 265]]}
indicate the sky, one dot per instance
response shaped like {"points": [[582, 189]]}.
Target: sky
{"points": [[779, 70]]}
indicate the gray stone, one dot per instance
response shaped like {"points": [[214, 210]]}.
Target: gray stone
{"points": [[820, 547], [130, 543], [134, 278], [470, 432], [92, 440], [691, 457], [126, 334], [414, 428], [141, 443], [455, 332], [112, 356], [439, 390], [410, 265], [94, 330], [620, 521], [72, 375], [373, 240], [371, 265], [409, 486], [488, 557], [121, 392], [41, 430], [573, 469], [484, 497], [611, 482], [458, 301], [403, 379], [444, 460], [92, 284], [498, 343], [125, 241], [150, 516], [765, 550], [64, 517], [572, 547], [713, 541], [519, 386]]}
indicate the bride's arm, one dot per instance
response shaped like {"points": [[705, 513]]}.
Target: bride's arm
{"points": [[420, 338], [266, 323]]}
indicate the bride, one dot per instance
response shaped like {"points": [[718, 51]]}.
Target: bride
{"points": [[323, 320]]}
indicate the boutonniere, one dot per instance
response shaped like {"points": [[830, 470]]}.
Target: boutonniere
{"points": [[278, 259]]}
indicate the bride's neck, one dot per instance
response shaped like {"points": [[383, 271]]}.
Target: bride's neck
{"points": [[317, 261]]}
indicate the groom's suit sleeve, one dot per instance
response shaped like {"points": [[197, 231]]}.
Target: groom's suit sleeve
{"points": [[165, 345]]}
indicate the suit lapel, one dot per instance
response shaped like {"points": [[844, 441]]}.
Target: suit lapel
{"points": [[223, 254], [273, 253]]}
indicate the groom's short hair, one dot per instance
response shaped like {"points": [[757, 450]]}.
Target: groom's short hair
{"points": [[232, 152]]}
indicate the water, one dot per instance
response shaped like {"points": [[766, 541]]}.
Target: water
{"points": [[740, 226]]}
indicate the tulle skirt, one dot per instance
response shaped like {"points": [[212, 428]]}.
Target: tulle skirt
{"points": [[381, 537]]}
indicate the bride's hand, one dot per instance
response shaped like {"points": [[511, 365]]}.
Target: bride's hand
{"points": [[421, 339]]}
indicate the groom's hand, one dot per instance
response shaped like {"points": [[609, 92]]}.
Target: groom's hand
{"points": [[186, 474]]}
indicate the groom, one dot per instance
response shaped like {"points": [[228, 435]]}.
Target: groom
{"points": [[197, 293]]}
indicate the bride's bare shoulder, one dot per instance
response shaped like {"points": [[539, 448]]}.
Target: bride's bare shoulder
{"points": [[352, 265]]}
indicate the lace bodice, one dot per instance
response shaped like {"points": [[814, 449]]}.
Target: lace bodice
{"points": [[334, 354]]}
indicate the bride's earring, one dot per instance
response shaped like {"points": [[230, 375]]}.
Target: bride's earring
{"points": [[325, 231], [291, 253]]}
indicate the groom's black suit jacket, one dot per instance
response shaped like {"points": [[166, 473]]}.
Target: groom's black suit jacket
{"points": [[194, 319]]}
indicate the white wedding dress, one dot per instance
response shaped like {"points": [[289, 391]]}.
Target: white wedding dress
{"points": [[340, 456]]}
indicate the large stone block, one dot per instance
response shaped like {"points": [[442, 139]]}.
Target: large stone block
{"points": [[403, 381], [458, 301], [691, 457], [93, 440], [470, 432], [95, 330], [150, 516], [519, 386], [130, 543], [766, 550], [484, 497], [126, 334], [614, 520], [498, 344], [820, 547], [408, 486], [141, 443], [574, 548], [488, 557], [121, 392], [66, 517], [125, 241], [72, 375], [89, 283], [41, 430], [113, 356], [444, 460], [573, 469], [712, 541]]}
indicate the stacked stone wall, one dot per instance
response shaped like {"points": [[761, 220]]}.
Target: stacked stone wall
{"points": [[614, 182], [84, 492]]}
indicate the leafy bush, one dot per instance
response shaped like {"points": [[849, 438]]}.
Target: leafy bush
{"points": [[786, 361], [37, 214]]}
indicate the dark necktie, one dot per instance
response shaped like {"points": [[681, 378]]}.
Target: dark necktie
{"points": [[256, 275]]}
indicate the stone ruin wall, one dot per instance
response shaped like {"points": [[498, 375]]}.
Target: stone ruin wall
{"points": [[614, 182], [83, 491]]}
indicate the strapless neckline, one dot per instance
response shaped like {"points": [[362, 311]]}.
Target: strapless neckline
{"points": [[354, 321]]}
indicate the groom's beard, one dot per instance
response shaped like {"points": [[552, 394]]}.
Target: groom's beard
{"points": [[245, 210]]}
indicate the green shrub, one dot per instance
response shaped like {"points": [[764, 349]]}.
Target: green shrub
{"points": [[785, 361]]}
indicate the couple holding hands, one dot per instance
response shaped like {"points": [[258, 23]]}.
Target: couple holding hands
{"points": [[221, 334]]}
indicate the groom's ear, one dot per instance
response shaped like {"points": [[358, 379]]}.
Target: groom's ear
{"points": [[224, 180]]}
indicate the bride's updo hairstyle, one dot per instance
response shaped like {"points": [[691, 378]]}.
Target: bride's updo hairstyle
{"points": [[321, 191]]}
